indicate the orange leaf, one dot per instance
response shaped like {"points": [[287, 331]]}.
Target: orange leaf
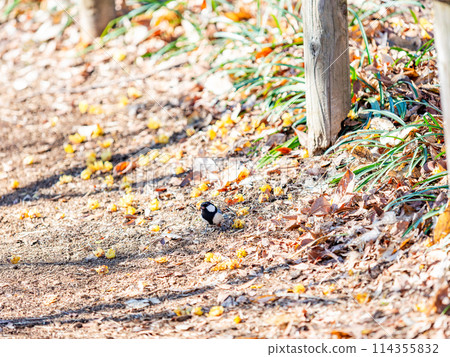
{"points": [[284, 151], [264, 52], [124, 167], [231, 201]]}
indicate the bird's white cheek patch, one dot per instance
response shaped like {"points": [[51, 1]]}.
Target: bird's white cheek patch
{"points": [[211, 208]]}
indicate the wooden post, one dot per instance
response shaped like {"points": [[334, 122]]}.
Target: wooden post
{"points": [[94, 16], [442, 31], [327, 70]]}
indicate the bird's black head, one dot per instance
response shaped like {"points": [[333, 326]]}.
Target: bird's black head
{"points": [[204, 206]]}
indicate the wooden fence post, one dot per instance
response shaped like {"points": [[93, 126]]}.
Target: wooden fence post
{"points": [[94, 16], [442, 32], [327, 70]]}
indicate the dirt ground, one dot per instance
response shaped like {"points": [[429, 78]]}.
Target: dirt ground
{"points": [[352, 289]]}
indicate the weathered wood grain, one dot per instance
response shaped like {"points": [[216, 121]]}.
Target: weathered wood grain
{"points": [[94, 16], [327, 69], [442, 31]]}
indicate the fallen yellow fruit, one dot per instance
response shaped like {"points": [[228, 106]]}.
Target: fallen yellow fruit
{"points": [[162, 139], [263, 197], [241, 253], [216, 311], [29, 160], [299, 289], [14, 184], [106, 155], [34, 213], [15, 259], [99, 252], [86, 174], [238, 224], [154, 205], [102, 270], [130, 210], [83, 106], [65, 179], [211, 134], [213, 258], [239, 197], [76, 138], [179, 170], [161, 260], [196, 193], [197, 311], [134, 93], [278, 191], [155, 228], [93, 204], [242, 211], [68, 148], [23, 214], [110, 253], [153, 124]]}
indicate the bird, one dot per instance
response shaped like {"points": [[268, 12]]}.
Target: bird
{"points": [[211, 214]]}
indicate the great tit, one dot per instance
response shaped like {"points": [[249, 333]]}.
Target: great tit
{"points": [[211, 213]]}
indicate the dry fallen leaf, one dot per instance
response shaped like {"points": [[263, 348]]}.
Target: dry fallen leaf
{"points": [[442, 228]]}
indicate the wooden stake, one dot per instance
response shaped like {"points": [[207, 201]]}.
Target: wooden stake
{"points": [[327, 70], [442, 31], [94, 16]]}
